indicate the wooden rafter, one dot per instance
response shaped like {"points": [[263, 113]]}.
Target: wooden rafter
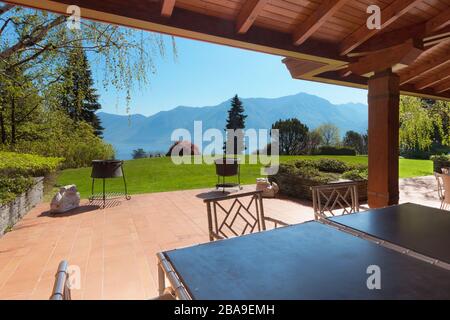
{"points": [[434, 29], [424, 67], [403, 54], [167, 8], [248, 14], [434, 79], [442, 87], [437, 37], [327, 9], [388, 15], [299, 68], [190, 21], [440, 21]]}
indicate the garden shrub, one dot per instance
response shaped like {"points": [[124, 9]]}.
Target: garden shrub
{"points": [[336, 151], [440, 161], [20, 164], [305, 170], [11, 187], [356, 175], [62, 137], [17, 170], [332, 165], [296, 177]]}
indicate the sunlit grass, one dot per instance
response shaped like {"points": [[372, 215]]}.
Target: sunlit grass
{"points": [[161, 174]]}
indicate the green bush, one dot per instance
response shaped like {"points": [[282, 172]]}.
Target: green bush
{"points": [[19, 164], [11, 187], [78, 146], [356, 175], [336, 151], [440, 161], [332, 165], [324, 170], [17, 170], [442, 158], [326, 165], [306, 169]]}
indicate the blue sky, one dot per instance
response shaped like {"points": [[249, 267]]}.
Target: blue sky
{"points": [[207, 74]]}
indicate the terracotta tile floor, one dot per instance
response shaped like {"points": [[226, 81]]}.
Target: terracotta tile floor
{"points": [[114, 247]]}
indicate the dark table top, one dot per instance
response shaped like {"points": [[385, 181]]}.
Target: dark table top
{"points": [[422, 229], [306, 261]]}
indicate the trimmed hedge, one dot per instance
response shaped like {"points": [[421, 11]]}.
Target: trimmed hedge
{"points": [[440, 161], [336, 151], [14, 164], [296, 177], [10, 188], [17, 170]]}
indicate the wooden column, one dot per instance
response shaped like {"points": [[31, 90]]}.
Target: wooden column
{"points": [[384, 96]]}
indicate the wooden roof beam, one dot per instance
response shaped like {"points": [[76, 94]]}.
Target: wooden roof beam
{"points": [[425, 67], [167, 8], [443, 87], [388, 15], [404, 54], [248, 14], [436, 78], [436, 27], [327, 9], [438, 22]]}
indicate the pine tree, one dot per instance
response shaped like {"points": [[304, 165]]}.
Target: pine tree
{"points": [[236, 121], [78, 96]]}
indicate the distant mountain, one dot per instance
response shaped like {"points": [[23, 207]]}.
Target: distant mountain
{"points": [[127, 133]]}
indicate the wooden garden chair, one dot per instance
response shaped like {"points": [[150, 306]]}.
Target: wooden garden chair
{"points": [[443, 181], [236, 215], [335, 199]]}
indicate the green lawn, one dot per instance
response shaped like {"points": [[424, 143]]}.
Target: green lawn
{"points": [[160, 174]]}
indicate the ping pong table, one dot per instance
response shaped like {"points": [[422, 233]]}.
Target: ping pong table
{"points": [[312, 260], [413, 228]]}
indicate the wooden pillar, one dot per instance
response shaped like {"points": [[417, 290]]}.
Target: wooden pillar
{"points": [[384, 99]]}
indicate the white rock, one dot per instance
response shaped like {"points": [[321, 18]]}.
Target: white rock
{"points": [[269, 189], [66, 199]]}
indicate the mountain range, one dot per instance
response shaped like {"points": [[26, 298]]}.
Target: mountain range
{"points": [[153, 133]]}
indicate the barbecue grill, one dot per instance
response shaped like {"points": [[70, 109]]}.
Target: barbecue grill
{"points": [[227, 167], [107, 169]]}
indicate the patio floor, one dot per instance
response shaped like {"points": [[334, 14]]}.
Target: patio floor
{"points": [[115, 247]]}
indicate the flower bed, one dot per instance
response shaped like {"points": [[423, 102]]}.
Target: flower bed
{"points": [[296, 178]]}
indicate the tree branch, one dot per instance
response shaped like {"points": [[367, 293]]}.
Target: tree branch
{"points": [[37, 35], [5, 8]]}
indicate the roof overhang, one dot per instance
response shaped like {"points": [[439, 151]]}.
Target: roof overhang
{"points": [[307, 57]]}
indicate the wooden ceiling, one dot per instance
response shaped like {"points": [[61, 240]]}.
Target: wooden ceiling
{"points": [[322, 40]]}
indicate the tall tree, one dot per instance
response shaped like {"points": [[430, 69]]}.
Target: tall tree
{"points": [[365, 138], [236, 122], [293, 136], [330, 134], [416, 126], [139, 154], [78, 96], [314, 141], [439, 111], [354, 140], [37, 42]]}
